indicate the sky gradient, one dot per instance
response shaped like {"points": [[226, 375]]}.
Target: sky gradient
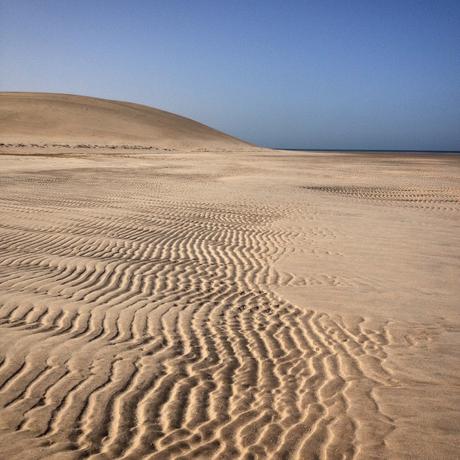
{"points": [[298, 74]]}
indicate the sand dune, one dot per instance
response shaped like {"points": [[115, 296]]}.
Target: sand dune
{"points": [[59, 120], [254, 305]]}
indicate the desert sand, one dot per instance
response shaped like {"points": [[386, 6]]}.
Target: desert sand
{"points": [[170, 292], [46, 122]]}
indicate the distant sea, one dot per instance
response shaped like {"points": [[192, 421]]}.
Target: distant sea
{"points": [[407, 152]]}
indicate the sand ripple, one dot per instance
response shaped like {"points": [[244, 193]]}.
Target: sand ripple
{"points": [[140, 320]]}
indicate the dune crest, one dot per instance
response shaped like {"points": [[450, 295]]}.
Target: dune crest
{"points": [[44, 120]]}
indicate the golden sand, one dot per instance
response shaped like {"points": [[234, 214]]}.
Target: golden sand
{"points": [[238, 304]]}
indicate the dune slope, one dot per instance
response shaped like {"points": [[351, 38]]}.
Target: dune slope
{"points": [[45, 118]]}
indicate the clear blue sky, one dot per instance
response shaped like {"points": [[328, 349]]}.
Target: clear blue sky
{"points": [[381, 74]]}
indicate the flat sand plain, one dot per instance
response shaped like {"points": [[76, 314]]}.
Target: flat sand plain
{"points": [[257, 304]]}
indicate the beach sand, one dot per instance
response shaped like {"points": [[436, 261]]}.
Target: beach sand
{"points": [[228, 304]]}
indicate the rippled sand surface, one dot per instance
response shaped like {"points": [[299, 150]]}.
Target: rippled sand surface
{"points": [[229, 305]]}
